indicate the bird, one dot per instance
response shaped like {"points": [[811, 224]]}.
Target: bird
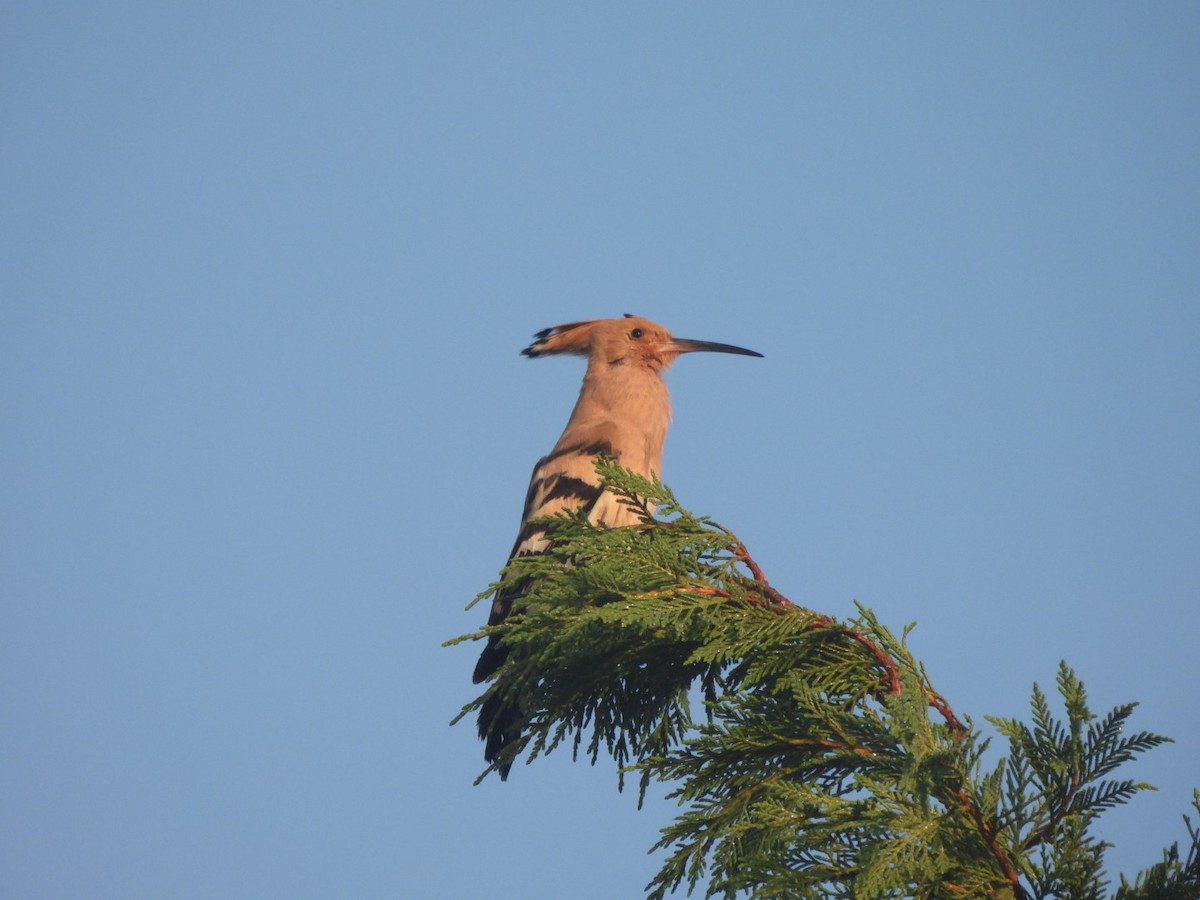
{"points": [[622, 413]]}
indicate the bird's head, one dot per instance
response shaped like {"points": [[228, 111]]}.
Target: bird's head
{"points": [[631, 340]]}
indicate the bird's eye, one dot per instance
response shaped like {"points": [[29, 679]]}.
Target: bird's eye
{"points": [[636, 333]]}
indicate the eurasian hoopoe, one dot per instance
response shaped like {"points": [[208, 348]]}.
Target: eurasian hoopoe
{"points": [[622, 412]]}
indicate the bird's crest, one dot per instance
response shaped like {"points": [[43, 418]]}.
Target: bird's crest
{"points": [[573, 337]]}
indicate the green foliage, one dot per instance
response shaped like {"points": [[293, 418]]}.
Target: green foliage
{"points": [[825, 763], [1055, 787], [1176, 877]]}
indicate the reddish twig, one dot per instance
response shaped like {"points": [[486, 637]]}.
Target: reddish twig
{"points": [[1046, 832], [885, 661], [698, 589], [938, 702], [741, 554], [888, 664], [832, 745], [985, 830]]}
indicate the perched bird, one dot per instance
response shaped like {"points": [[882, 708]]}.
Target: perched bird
{"points": [[622, 412]]}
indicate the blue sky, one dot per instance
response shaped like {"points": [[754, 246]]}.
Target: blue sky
{"points": [[266, 270]]}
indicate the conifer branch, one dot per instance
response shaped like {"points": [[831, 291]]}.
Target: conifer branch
{"points": [[826, 764]]}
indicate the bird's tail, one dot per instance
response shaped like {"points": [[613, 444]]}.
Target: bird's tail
{"points": [[498, 727]]}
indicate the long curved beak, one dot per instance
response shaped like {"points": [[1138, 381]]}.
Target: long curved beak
{"points": [[685, 345]]}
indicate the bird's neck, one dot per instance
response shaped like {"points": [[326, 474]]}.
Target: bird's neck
{"points": [[628, 408]]}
